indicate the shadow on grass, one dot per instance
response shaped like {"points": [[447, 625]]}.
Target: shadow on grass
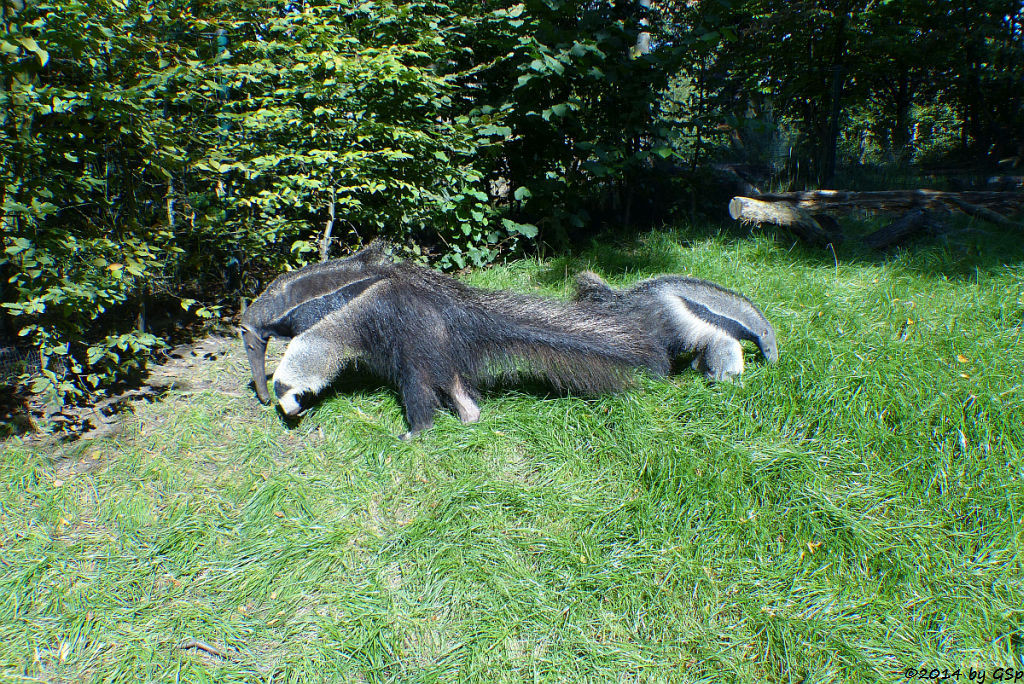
{"points": [[618, 253], [962, 252], [360, 382], [354, 381]]}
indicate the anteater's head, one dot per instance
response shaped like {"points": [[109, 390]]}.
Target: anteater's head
{"points": [[767, 344], [304, 371]]}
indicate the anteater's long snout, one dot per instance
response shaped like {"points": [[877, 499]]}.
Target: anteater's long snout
{"points": [[256, 350]]}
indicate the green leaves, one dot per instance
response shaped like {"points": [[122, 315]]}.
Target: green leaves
{"points": [[492, 129], [171, 160], [18, 245], [556, 111], [27, 43], [525, 229], [31, 45]]}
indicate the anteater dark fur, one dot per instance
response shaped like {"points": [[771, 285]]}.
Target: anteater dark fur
{"points": [[438, 340]]}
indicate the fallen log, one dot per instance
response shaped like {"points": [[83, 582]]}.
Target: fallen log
{"points": [[1006, 183], [905, 227], [784, 214], [984, 213], [835, 201]]}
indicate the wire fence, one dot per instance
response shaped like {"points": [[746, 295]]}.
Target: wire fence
{"points": [[16, 361]]}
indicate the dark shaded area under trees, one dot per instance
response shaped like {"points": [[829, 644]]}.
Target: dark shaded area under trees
{"points": [[161, 160]]}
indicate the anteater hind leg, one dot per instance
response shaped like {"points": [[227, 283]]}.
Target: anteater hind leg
{"points": [[465, 405]]}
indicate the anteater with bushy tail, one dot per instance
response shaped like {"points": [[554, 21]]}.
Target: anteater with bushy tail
{"points": [[687, 316], [436, 339]]}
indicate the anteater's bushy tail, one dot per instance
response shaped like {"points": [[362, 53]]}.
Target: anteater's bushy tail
{"points": [[575, 346]]}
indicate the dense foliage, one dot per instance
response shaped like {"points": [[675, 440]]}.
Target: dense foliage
{"points": [[167, 157], [881, 81]]}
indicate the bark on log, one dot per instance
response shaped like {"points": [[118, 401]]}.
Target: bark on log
{"points": [[983, 213], [1006, 183], [830, 225], [896, 200], [782, 214], [903, 228]]}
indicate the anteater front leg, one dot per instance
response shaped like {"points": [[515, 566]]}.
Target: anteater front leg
{"points": [[419, 398], [312, 361], [721, 360]]}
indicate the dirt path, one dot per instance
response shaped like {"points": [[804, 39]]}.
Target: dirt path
{"points": [[215, 363]]}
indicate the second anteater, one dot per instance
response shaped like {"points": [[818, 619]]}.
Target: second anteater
{"points": [[688, 316]]}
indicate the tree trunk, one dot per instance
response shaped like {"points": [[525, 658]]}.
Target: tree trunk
{"points": [[643, 37], [325, 244], [838, 78], [170, 203], [901, 126]]}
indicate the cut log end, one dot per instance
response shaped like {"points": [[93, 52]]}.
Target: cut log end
{"points": [[789, 216], [736, 208]]}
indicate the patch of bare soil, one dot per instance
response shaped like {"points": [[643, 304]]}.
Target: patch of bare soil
{"points": [[215, 363]]}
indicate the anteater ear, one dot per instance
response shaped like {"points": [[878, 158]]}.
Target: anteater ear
{"points": [[256, 350], [379, 251], [591, 287]]}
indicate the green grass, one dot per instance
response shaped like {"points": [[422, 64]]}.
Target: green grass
{"points": [[853, 511]]}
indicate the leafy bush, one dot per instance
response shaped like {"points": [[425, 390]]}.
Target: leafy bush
{"points": [[172, 157], [86, 153]]}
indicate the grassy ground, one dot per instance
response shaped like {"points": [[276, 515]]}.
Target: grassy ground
{"points": [[851, 512]]}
